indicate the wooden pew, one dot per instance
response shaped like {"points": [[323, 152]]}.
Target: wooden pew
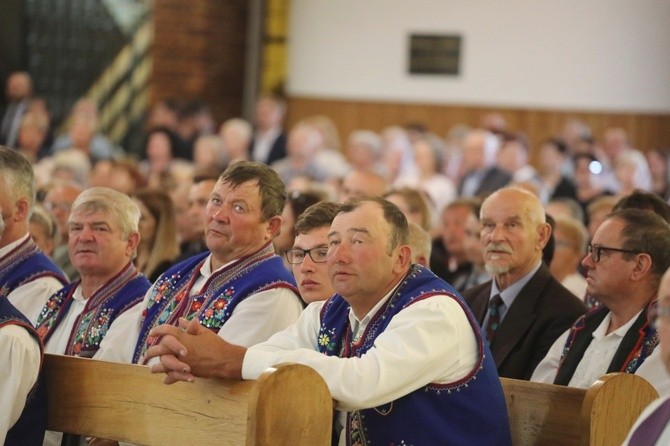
{"points": [[545, 414], [290, 404]]}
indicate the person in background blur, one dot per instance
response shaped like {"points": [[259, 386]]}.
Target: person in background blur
{"points": [[208, 153], [659, 165], [632, 172], [269, 140], [193, 241], [428, 154], [236, 136], [413, 204], [365, 151], [362, 183], [32, 135], [58, 202], [83, 133], [421, 243], [43, 230], [597, 212], [586, 172], [571, 238], [449, 260], [158, 247], [474, 252], [19, 89], [296, 204], [553, 184], [481, 175]]}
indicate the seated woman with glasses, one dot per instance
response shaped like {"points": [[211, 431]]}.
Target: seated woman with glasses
{"points": [[310, 250]]}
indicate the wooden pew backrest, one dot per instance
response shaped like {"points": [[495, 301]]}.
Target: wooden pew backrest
{"points": [[289, 404], [546, 415]]}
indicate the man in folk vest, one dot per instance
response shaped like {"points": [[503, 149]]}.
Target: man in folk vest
{"points": [[102, 240], [398, 348], [629, 253], [23, 402], [239, 289], [27, 276]]}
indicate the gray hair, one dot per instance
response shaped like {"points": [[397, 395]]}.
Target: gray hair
{"points": [[120, 207], [17, 174]]}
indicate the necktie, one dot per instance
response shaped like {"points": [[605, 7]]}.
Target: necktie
{"points": [[494, 317], [651, 428]]}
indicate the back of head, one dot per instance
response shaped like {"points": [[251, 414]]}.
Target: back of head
{"points": [[16, 176], [120, 207], [270, 185], [645, 200]]}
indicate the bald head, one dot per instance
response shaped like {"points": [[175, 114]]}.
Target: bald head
{"points": [[514, 232], [360, 183]]}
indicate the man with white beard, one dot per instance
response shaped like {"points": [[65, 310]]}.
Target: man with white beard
{"points": [[523, 309]]}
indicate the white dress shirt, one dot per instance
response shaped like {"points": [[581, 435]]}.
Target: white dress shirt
{"points": [[19, 366], [576, 284], [597, 358], [263, 144], [430, 341], [30, 297], [254, 319]]}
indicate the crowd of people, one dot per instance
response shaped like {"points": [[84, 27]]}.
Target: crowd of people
{"points": [[411, 271]]}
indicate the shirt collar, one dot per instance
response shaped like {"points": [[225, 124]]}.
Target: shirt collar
{"points": [[509, 294]]}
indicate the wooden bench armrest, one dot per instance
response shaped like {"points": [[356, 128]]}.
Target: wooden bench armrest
{"points": [[287, 405]]}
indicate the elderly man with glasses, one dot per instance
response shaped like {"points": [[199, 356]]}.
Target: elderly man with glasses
{"points": [[625, 261]]}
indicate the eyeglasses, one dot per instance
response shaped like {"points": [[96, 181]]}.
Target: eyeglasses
{"points": [[654, 312], [595, 250], [295, 256]]}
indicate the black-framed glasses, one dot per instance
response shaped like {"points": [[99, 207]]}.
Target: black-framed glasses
{"points": [[295, 256], [595, 250], [655, 311]]}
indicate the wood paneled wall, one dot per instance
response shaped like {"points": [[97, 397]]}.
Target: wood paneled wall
{"points": [[198, 53], [647, 131]]}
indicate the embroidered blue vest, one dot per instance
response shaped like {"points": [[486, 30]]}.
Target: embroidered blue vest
{"points": [[120, 293], [29, 428], [471, 411], [223, 291], [24, 264], [637, 344]]}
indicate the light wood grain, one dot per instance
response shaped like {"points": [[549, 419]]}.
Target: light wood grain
{"points": [[128, 403], [547, 415]]}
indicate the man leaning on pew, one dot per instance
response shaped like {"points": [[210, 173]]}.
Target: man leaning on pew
{"points": [[629, 253], [398, 348]]}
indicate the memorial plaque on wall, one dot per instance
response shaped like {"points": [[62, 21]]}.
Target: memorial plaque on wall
{"points": [[434, 54]]}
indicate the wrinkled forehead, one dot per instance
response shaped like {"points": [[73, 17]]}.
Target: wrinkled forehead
{"points": [[367, 217]]}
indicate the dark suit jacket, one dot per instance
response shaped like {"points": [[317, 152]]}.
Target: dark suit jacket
{"points": [[541, 312], [277, 152], [494, 179]]}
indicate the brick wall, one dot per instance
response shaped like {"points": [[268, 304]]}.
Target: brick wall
{"points": [[198, 53]]}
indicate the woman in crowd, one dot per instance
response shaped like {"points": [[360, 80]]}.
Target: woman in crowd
{"points": [[158, 233]]}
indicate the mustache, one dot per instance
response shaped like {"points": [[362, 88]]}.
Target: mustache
{"points": [[499, 247]]}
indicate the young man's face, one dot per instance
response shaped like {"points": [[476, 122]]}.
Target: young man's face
{"points": [[312, 276]]}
